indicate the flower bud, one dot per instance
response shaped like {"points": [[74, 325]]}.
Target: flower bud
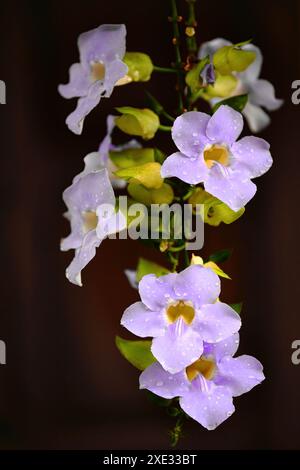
{"points": [[135, 121]]}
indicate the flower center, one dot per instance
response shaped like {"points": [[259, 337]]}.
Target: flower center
{"points": [[181, 309], [90, 220], [216, 153], [97, 71], [204, 366]]}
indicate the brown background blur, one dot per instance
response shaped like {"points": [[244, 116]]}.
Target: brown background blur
{"points": [[65, 385]]}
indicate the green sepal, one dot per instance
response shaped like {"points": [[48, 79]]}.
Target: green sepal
{"points": [[224, 86], [162, 195], [136, 121], [217, 270], [147, 174], [193, 78], [140, 66], [230, 59], [132, 157], [139, 193], [138, 353], [215, 211]]}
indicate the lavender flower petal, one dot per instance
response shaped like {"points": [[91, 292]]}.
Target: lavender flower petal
{"points": [[226, 347], [155, 291], [216, 322], [252, 153], [197, 284], [239, 374], [178, 347], [162, 383], [210, 406], [225, 126], [143, 322], [190, 170], [189, 133], [232, 187]]}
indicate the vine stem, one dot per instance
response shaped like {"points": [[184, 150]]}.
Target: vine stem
{"points": [[165, 128], [167, 116], [178, 63], [164, 69], [190, 30], [191, 43]]}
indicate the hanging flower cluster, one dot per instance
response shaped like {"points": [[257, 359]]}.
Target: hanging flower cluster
{"points": [[191, 336]]}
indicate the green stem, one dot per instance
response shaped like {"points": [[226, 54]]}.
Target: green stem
{"points": [[176, 249], [165, 128], [167, 116], [188, 194], [173, 260], [164, 69], [178, 63], [186, 259], [177, 432], [191, 23]]}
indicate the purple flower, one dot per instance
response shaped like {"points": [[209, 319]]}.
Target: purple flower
{"points": [[209, 154], [261, 93], [180, 311], [100, 68], [208, 74], [207, 386], [95, 161], [91, 211], [131, 277]]}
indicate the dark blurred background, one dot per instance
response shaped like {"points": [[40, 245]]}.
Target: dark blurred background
{"points": [[65, 386]]}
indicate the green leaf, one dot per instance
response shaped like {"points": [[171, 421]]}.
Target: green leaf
{"points": [[135, 121], [132, 157], [236, 102], [237, 307], [220, 256], [139, 65], [149, 267], [147, 174], [138, 353]]}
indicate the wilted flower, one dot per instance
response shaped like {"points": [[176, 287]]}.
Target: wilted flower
{"points": [[100, 68], [180, 311], [261, 93], [91, 211], [209, 154], [98, 160], [207, 386]]}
